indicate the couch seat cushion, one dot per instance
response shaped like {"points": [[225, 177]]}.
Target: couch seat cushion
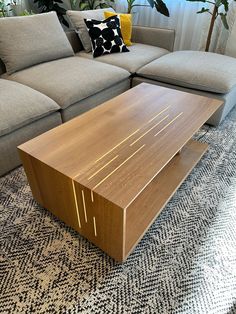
{"points": [[138, 56], [21, 105], [70, 80], [194, 69]]}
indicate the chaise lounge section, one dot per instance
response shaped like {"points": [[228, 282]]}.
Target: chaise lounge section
{"points": [[203, 73]]}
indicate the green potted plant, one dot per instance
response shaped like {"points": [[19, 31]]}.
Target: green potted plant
{"points": [[93, 4], [15, 7], [219, 8], [26, 13], [159, 5], [53, 5], [73, 4], [3, 9]]}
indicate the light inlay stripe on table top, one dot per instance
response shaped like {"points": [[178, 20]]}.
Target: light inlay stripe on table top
{"points": [[175, 118], [149, 130], [127, 159], [128, 137], [108, 163], [158, 114], [117, 145]]}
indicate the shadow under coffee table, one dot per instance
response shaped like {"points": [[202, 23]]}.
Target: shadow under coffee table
{"points": [[109, 172]]}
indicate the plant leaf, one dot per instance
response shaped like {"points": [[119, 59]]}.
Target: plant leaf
{"points": [[84, 6], [226, 5], [151, 3], [203, 10], [218, 3], [224, 20], [196, 0], [161, 7]]}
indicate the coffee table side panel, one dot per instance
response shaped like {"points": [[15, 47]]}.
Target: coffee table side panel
{"points": [[27, 162], [102, 222], [51, 189]]}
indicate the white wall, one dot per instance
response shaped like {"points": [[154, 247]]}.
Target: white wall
{"points": [[231, 44], [191, 28]]}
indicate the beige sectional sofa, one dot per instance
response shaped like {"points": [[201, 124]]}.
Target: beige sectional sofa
{"points": [[44, 92], [71, 85]]}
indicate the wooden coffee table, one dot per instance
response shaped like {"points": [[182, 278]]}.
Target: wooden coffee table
{"points": [[109, 172]]}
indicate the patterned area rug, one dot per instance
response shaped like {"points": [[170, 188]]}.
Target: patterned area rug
{"points": [[185, 264]]}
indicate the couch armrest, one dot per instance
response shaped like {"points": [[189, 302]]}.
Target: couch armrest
{"points": [[160, 37]]}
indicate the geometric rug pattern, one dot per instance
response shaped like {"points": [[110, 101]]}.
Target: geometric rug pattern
{"points": [[185, 264]]}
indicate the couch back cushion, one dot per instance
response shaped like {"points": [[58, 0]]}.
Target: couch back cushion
{"points": [[30, 40], [74, 40], [77, 20]]}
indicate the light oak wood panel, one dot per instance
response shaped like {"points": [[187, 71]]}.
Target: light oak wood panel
{"points": [[94, 217], [55, 190], [149, 204], [102, 222], [29, 169]]}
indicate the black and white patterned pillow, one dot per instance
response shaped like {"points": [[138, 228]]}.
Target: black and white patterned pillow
{"points": [[105, 36]]}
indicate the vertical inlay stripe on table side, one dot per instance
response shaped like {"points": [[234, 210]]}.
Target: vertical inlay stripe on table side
{"points": [[76, 203], [91, 194], [94, 226], [84, 205]]}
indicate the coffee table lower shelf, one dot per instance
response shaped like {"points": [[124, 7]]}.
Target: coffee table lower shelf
{"points": [[115, 230]]}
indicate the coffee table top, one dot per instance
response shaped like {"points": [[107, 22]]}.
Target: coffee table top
{"points": [[117, 148]]}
